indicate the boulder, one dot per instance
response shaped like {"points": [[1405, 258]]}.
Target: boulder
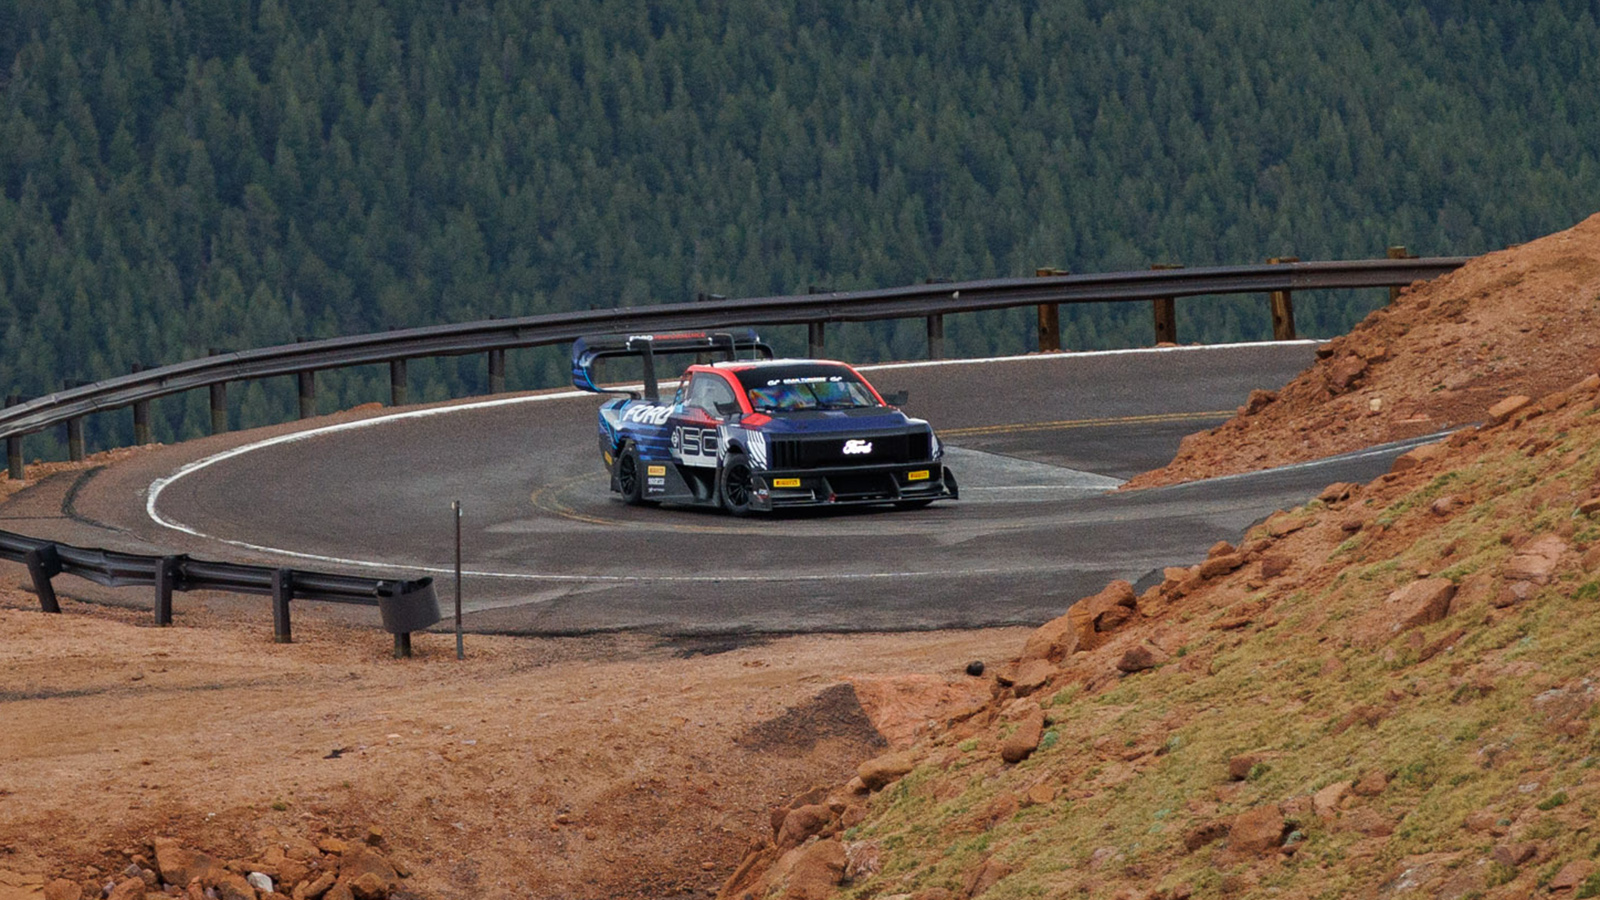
{"points": [[1571, 875], [1325, 802], [1275, 564], [1031, 675], [1419, 603], [1221, 565], [129, 889], [1085, 626], [985, 876], [882, 771], [179, 865], [801, 823], [818, 869], [367, 873], [1258, 401], [1506, 408], [1256, 832], [1141, 657], [1022, 742], [1418, 456], [1536, 561], [1344, 373]]}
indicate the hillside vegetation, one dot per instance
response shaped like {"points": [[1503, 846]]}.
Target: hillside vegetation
{"points": [[176, 178], [1388, 692]]}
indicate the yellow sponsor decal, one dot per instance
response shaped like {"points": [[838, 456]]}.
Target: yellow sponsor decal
{"points": [[656, 470], [607, 456], [785, 482], [919, 475]]}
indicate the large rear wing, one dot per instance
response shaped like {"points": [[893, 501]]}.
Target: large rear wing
{"points": [[590, 349]]}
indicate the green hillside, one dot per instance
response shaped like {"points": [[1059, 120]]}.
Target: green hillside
{"points": [[180, 177]]}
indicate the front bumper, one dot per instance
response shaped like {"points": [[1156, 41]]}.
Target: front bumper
{"points": [[852, 485]]}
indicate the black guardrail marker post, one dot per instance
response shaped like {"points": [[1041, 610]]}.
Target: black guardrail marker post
{"points": [[307, 383], [497, 371], [397, 382], [282, 593], [43, 565], [14, 447], [166, 583], [461, 651]]}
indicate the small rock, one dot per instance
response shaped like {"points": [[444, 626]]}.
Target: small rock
{"points": [[1258, 401], [1325, 803], [1571, 875], [1337, 492], [260, 882], [986, 876], [1514, 855], [1140, 658], [1418, 456], [1371, 784], [1275, 564], [1040, 795], [975, 668], [1239, 767]]}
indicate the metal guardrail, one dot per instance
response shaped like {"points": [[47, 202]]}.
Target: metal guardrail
{"points": [[408, 606], [404, 606], [495, 336]]}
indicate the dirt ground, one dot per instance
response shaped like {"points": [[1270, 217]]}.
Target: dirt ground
{"points": [[621, 766], [599, 767]]}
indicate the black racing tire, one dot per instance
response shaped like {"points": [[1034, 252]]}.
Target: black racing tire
{"points": [[734, 485], [629, 476]]}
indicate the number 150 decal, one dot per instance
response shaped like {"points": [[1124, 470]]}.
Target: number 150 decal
{"points": [[695, 446]]}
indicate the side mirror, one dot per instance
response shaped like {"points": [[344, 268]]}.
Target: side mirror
{"points": [[898, 398], [727, 408]]}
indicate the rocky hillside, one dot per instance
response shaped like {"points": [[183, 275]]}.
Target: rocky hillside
{"points": [[1520, 321], [1389, 692]]}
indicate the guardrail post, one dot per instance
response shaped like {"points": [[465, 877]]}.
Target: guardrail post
{"points": [[1164, 311], [14, 448], [1398, 251], [43, 565], [282, 593], [402, 646], [1283, 306], [497, 371], [397, 382], [936, 336], [816, 339], [1049, 317], [307, 382], [75, 440], [219, 401], [141, 422], [166, 583]]}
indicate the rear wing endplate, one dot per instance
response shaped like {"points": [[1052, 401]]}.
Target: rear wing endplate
{"points": [[590, 349]]}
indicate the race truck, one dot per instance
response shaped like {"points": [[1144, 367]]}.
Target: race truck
{"points": [[750, 433]]}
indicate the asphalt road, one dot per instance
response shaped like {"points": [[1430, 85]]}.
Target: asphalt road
{"points": [[1036, 442]]}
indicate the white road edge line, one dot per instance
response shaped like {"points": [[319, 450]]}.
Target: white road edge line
{"points": [[153, 493]]}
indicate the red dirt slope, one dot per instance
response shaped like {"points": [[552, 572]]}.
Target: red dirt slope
{"points": [[1520, 321]]}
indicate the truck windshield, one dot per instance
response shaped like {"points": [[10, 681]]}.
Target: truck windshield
{"points": [[780, 390]]}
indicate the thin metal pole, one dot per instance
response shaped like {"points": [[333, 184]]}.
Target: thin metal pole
{"points": [[461, 650]]}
